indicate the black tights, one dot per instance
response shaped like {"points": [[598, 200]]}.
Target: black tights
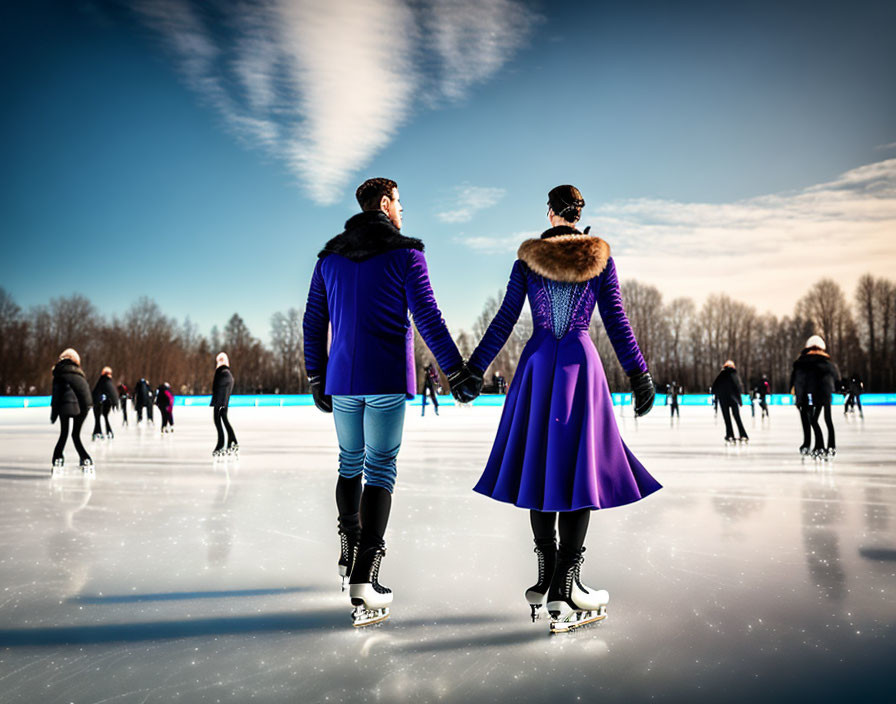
{"points": [[816, 426], [77, 422], [806, 420], [364, 508], [729, 409], [221, 422], [167, 417], [573, 526], [103, 410]]}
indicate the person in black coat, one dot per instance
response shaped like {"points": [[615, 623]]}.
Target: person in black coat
{"points": [[763, 389], [222, 387], [727, 388], [70, 403], [143, 398], [105, 398], [854, 388], [673, 391], [814, 380]]}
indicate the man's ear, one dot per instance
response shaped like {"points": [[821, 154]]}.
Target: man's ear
{"points": [[384, 203]]}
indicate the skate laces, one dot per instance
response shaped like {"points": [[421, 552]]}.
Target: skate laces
{"points": [[375, 572], [540, 553]]}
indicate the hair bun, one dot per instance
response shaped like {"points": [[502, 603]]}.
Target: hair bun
{"points": [[564, 199]]}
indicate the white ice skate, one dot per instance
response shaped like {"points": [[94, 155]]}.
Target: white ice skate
{"points": [[370, 599], [233, 449], [578, 605], [57, 467], [88, 468]]}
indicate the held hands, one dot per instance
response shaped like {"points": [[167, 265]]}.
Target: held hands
{"points": [[643, 392], [466, 383], [321, 400]]}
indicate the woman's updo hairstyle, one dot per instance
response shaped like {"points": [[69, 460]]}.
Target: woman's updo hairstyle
{"points": [[566, 202]]}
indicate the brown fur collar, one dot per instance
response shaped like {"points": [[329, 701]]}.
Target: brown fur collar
{"points": [[570, 258]]}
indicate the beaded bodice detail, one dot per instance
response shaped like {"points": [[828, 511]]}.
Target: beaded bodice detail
{"points": [[560, 306]]}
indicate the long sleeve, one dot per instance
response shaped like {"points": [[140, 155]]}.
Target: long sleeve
{"points": [[619, 330], [421, 301], [502, 325], [315, 324]]}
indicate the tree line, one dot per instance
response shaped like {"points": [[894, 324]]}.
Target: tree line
{"points": [[681, 342]]}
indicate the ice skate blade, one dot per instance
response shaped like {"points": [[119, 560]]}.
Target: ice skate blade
{"points": [[536, 611], [362, 617], [577, 619]]}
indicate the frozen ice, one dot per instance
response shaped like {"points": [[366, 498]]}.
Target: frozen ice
{"points": [[753, 575]]}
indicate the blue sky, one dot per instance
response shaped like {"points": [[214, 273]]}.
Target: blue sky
{"points": [[201, 154]]}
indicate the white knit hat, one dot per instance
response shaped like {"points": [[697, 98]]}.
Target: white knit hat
{"points": [[222, 360], [815, 341], [71, 354]]}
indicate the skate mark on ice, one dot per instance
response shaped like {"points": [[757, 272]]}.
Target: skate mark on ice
{"points": [[172, 630], [175, 596], [469, 620], [879, 554], [466, 642]]}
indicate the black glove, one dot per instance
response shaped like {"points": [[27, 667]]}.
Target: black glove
{"points": [[321, 400], [466, 383], [643, 392]]}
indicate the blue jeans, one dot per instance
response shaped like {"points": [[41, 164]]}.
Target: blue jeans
{"points": [[369, 430]]}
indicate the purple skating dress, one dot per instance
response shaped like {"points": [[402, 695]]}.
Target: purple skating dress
{"points": [[558, 447]]}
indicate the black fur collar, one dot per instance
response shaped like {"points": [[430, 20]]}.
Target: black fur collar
{"points": [[559, 230], [67, 366], [366, 235]]}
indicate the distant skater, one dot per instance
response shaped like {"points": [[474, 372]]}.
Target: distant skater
{"points": [[165, 402], [222, 386], [143, 400], [557, 452], [70, 403], [430, 384], [728, 389], [105, 398], [673, 391], [814, 379], [123, 395], [854, 389], [763, 389]]}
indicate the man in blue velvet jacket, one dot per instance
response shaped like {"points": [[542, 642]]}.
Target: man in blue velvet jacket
{"points": [[364, 283]]}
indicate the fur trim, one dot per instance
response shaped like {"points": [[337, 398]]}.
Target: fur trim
{"points": [[366, 235], [571, 258]]}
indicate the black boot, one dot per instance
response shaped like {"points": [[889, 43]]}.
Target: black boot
{"points": [[349, 538], [546, 552]]}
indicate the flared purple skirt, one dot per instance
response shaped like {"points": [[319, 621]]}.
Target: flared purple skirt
{"points": [[558, 447]]}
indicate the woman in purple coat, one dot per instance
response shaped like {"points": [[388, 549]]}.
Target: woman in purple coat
{"points": [[558, 449]]}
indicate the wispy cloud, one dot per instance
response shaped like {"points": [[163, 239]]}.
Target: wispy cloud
{"points": [[467, 201], [885, 147], [765, 250], [325, 86], [497, 245]]}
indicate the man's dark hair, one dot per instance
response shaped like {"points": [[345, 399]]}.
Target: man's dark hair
{"points": [[371, 192]]}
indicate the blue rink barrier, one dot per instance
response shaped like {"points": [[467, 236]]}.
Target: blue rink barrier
{"points": [[280, 400]]}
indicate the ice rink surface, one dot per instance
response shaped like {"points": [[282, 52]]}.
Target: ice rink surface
{"points": [[752, 576]]}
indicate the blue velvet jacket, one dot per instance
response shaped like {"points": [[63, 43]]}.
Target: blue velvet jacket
{"points": [[364, 283]]}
